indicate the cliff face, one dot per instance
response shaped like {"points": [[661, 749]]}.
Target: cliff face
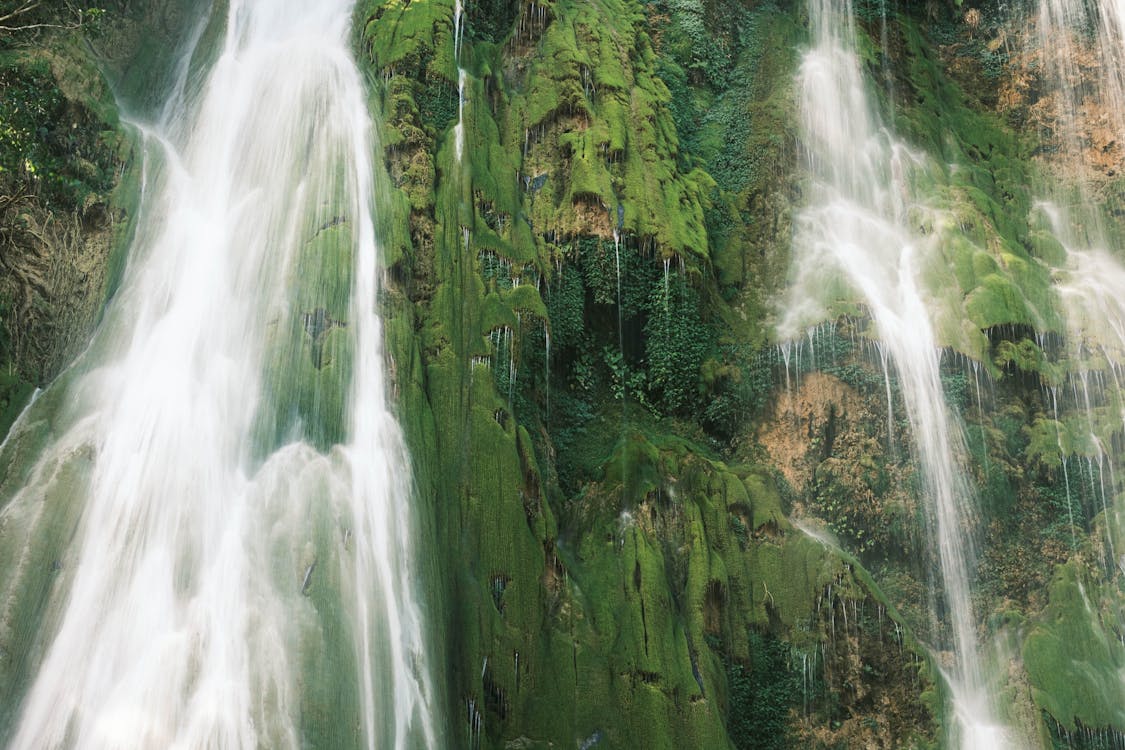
{"points": [[652, 521], [60, 156], [613, 439], [581, 354]]}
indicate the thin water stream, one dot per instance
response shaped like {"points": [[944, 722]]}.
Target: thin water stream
{"points": [[855, 236], [462, 78]]}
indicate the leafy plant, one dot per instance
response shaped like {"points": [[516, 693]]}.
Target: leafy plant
{"points": [[48, 142], [677, 342], [624, 380], [566, 300], [19, 18], [762, 696], [491, 20], [437, 103]]}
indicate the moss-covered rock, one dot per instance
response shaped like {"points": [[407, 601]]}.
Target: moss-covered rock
{"points": [[1072, 653]]}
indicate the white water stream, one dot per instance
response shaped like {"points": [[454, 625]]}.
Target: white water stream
{"points": [[1082, 43], [462, 78], [1091, 293], [1082, 46], [856, 234], [219, 587]]}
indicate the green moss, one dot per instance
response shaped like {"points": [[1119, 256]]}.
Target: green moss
{"points": [[601, 128], [765, 503], [310, 349], [996, 300], [987, 243], [397, 33], [1073, 659], [1047, 248]]}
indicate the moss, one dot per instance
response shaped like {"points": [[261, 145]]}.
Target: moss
{"points": [[526, 300], [1046, 247], [326, 644], [310, 353], [601, 114], [1073, 660], [765, 503], [400, 34], [1001, 266]]}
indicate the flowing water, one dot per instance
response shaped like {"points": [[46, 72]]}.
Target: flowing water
{"points": [[462, 77], [459, 128], [1082, 44], [1093, 297], [855, 237], [213, 547]]}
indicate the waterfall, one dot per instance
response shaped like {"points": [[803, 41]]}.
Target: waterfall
{"points": [[212, 548], [459, 128], [462, 77], [1082, 45], [856, 236], [1091, 295], [1082, 48]]}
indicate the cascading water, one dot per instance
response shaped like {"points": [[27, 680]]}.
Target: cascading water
{"points": [[1091, 292], [459, 128], [1082, 44], [855, 234], [213, 548], [1090, 115], [462, 78]]}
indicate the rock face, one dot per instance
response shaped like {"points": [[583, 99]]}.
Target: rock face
{"points": [[651, 522], [595, 391], [582, 309]]}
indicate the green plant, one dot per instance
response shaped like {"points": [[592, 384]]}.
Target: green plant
{"points": [[22, 18], [48, 143], [677, 341], [624, 380], [763, 694], [437, 103], [566, 299], [491, 20]]}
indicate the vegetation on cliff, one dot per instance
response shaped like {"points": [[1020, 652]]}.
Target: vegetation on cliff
{"points": [[591, 269], [63, 154], [635, 164]]}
